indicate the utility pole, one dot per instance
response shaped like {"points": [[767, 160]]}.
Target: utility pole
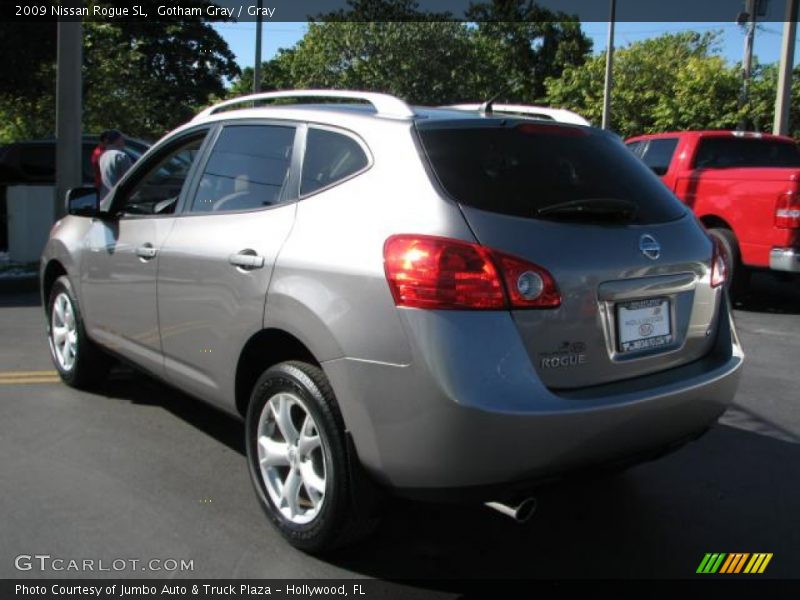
{"points": [[68, 108], [784, 96], [606, 124], [748, 19], [257, 68]]}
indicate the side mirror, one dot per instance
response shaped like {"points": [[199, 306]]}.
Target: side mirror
{"points": [[83, 202]]}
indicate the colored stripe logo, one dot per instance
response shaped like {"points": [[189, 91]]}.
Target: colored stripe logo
{"points": [[734, 563]]}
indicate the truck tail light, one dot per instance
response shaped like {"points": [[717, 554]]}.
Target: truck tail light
{"points": [[719, 264], [442, 273], [787, 211]]}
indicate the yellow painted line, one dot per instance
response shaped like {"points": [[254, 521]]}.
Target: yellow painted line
{"points": [[30, 380], [26, 377], [15, 374]]}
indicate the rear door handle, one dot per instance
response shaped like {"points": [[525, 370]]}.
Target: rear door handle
{"points": [[246, 259], [146, 252]]}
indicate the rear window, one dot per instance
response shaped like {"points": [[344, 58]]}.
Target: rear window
{"points": [[522, 168], [658, 154], [732, 152]]}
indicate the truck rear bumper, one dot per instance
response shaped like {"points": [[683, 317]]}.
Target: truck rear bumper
{"points": [[785, 259]]}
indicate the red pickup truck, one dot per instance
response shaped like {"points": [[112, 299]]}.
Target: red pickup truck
{"points": [[744, 187]]}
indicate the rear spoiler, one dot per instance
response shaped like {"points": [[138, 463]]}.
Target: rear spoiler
{"points": [[540, 112]]}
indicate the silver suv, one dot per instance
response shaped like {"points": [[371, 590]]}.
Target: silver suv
{"points": [[435, 302]]}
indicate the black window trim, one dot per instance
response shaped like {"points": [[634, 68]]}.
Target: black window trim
{"points": [[341, 131], [290, 193], [151, 158]]}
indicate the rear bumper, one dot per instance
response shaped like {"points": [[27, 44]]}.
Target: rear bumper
{"points": [[470, 410], [785, 259]]}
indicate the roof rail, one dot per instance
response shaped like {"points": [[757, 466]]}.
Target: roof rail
{"points": [[385, 105], [557, 114]]}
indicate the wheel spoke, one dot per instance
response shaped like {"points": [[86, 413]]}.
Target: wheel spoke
{"points": [[312, 481], [284, 419], [273, 454], [58, 307], [68, 355], [69, 317], [59, 334], [290, 491], [309, 438]]}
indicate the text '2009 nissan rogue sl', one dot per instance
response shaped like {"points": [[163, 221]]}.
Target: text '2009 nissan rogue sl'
{"points": [[436, 302]]}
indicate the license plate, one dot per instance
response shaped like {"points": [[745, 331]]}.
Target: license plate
{"points": [[643, 324]]}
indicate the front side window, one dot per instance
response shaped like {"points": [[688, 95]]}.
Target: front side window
{"points": [[158, 190], [248, 169], [330, 158]]}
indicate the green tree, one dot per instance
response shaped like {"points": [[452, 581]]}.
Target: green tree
{"points": [[275, 75], [143, 77], [424, 62], [675, 81], [762, 99], [524, 44], [393, 46]]}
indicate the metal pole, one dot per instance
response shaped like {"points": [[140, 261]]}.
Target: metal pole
{"points": [[68, 108], [783, 98], [747, 59], [606, 124], [257, 68]]}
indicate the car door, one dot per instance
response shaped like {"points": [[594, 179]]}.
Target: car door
{"points": [[118, 273], [217, 262]]}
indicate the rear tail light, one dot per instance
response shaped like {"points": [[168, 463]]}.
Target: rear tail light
{"points": [[787, 211], [719, 264], [441, 273]]}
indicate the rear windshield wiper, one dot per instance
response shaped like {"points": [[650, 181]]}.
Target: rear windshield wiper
{"points": [[611, 209]]}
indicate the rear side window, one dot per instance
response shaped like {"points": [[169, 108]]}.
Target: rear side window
{"points": [[330, 158], [248, 169], [732, 152], [529, 170], [658, 154]]}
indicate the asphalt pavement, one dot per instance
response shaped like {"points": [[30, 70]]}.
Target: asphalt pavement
{"points": [[141, 471]]}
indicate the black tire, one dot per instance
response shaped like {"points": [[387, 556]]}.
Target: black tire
{"points": [[342, 518], [738, 274], [90, 365]]}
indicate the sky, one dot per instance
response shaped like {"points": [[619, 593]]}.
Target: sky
{"points": [[275, 35]]}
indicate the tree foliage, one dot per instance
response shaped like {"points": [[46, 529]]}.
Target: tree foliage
{"points": [[392, 46], [144, 77], [672, 82]]}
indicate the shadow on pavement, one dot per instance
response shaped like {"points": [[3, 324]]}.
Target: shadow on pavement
{"points": [[769, 293], [128, 384], [731, 491]]}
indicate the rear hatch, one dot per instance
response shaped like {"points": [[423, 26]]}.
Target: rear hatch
{"points": [[631, 263]]}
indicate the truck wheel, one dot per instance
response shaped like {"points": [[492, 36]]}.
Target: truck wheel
{"points": [[79, 362], [738, 274], [298, 459]]}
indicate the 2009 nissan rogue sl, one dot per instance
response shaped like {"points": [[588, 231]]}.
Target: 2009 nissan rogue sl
{"points": [[435, 302]]}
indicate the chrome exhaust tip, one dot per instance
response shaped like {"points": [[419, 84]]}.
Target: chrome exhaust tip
{"points": [[521, 513]]}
